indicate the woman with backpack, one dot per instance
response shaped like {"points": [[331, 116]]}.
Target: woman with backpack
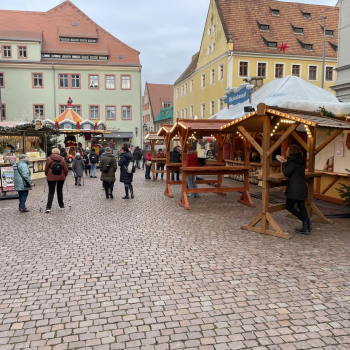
{"points": [[125, 176], [108, 167], [94, 159], [78, 167], [87, 161], [56, 172]]}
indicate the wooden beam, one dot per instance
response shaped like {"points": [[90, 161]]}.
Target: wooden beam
{"points": [[301, 141], [282, 138], [336, 178], [250, 138], [326, 142]]}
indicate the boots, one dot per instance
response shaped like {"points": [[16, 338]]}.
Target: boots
{"points": [[309, 223], [131, 191], [126, 193], [305, 230], [107, 192]]}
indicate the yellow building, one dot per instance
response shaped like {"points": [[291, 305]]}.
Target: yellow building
{"points": [[243, 38]]}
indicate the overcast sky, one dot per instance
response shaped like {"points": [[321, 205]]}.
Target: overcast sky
{"points": [[167, 33]]}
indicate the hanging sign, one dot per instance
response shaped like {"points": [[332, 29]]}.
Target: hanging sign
{"points": [[238, 95]]}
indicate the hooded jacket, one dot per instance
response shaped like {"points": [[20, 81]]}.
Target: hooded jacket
{"points": [[160, 154], [192, 159], [63, 153], [295, 171], [48, 172], [21, 168], [137, 154], [123, 163], [105, 159], [78, 166]]}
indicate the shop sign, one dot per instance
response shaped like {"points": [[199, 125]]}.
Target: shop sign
{"points": [[238, 95], [38, 124], [7, 175]]}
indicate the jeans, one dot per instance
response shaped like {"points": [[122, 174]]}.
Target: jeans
{"points": [[137, 163], [148, 173], [160, 167], [143, 163], [52, 186], [93, 169], [87, 167], [22, 198], [191, 183], [301, 214], [177, 172]]}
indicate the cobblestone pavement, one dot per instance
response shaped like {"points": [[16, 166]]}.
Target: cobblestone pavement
{"points": [[147, 274]]}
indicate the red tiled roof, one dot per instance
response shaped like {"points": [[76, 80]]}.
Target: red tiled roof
{"points": [[192, 67], [21, 35], [59, 20], [158, 93], [240, 17]]}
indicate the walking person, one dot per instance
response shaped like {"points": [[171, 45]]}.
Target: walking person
{"points": [[56, 172], [108, 167], [125, 177], [63, 153], [102, 150], [148, 164], [160, 166], [175, 157], [87, 163], [78, 167], [294, 168], [192, 161], [144, 152], [137, 156], [22, 181], [94, 158]]}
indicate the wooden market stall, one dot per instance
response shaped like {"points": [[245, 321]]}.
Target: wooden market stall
{"points": [[153, 137], [272, 121], [190, 129]]}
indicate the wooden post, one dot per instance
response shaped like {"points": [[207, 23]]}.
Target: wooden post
{"points": [[24, 142], [220, 143], [233, 147], [183, 140], [312, 146], [167, 192], [153, 164]]}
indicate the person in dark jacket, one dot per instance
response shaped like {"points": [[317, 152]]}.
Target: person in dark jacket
{"points": [[87, 163], [125, 177], [21, 181], [63, 153], [54, 180], [175, 157], [108, 178], [192, 161], [144, 152], [102, 150], [94, 159], [296, 192], [137, 156], [78, 167]]}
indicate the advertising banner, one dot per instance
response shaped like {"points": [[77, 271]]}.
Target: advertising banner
{"points": [[7, 175]]}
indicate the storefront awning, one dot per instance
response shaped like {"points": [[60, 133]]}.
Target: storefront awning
{"points": [[120, 135]]}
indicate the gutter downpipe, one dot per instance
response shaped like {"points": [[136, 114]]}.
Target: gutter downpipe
{"points": [[141, 129], [54, 96]]}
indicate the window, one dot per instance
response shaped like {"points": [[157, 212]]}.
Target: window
{"points": [[191, 111], [93, 81], [182, 114], [191, 85], [212, 47], [22, 51], [212, 107], [2, 80], [243, 69], [6, 51], [307, 15], [329, 32], [177, 93], [221, 104], [261, 69], [307, 47], [3, 112], [185, 88], [166, 105], [94, 112], [63, 81], [329, 73], [75, 81], [39, 112], [185, 113], [126, 82], [264, 27], [76, 109], [209, 50], [177, 114], [298, 30], [212, 76], [275, 12], [110, 112], [209, 31], [312, 72], [203, 110], [203, 81], [221, 72], [182, 90], [272, 44], [126, 112], [110, 82], [279, 70], [38, 80], [296, 70], [214, 28]]}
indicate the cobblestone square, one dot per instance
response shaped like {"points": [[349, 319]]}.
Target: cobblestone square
{"points": [[146, 274]]}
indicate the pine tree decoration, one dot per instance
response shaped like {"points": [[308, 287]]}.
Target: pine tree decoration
{"points": [[344, 192]]}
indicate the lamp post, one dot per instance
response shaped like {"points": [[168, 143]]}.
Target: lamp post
{"points": [[136, 130], [324, 48]]}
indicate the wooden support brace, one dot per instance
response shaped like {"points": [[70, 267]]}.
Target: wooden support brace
{"points": [[326, 142], [281, 139], [250, 139], [246, 199], [301, 141]]}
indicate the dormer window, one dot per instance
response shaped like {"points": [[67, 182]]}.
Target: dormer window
{"points": [[298, 30], [275, 12], [75, 40], [329, 32], [264, 27], [272, 44], [307, 15]]}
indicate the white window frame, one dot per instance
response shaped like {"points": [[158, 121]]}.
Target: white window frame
{"points": [[177, 93], [75, 81], [185, 113], [213, 46], [291, 69], [214, 28], [36, 76], [182, 113], [41, 111], [248, 69], [308, 72], [209, 50], [203, 110], [274, 70], [219, 72], [209, 31], [191, 112], [325, 73], [177, 114], [212, 78], [191, 85], [108, 109], [185, 88], [212, 107], [182, 90], [65, 76], [266, 68], [126, 111], [20, 51], [93, 109], [203, 81], [108, 82]]}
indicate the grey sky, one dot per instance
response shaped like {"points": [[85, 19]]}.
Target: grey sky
{"points": [[167, 33]]}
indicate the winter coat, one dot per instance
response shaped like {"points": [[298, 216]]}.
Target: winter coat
{"points": [[192, 159], [101, 151], [123, 163], [94, 157], [295, 171], [78, 166], [160, 155], [87, 159], [104, 160], [175, 157], [137, 154], [63, 153], [148, 157], [23, 168], [48, 172]]}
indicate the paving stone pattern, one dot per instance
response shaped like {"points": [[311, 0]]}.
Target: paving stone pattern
{"points": [[147, 274]]}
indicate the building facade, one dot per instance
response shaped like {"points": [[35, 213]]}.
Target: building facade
{"points": [[244, 38], [156, 97], [47, 57], [342, 85]]}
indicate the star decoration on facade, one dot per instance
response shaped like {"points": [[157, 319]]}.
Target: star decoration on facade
{"points": [[283, 47]]}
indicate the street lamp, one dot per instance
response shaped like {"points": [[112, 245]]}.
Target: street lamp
{"points": [[324, 48], [136, 130]]}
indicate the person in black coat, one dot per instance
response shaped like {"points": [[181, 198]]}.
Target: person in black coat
{"points": [[137, 156], [296, 192], [175, 157], [125, 177]]}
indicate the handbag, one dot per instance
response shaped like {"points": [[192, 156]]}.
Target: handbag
{"points": [[25, 182], [148, 163], [106, 168]]}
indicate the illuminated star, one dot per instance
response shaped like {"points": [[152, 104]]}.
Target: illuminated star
{"points": [[283, 47]]}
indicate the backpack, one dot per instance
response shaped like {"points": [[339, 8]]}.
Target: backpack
{"points": [[86, 159], [93, 158], [56, 168], [106, 168], [131, 167]]}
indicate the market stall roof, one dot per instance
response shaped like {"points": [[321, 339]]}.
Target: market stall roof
{"points": [[69, 114], [152, 135], [19, 127], [252, 122], [165, 129], [289, 92]]}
